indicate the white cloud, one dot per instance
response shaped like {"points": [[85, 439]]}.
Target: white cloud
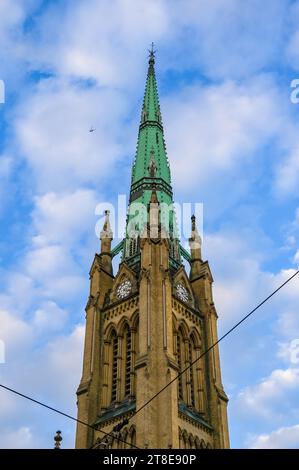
{"points": [[218, 129], [21, 438], [52, 128], [292, 50], [54, 272], [5, 166], [239, 278], [61, 359], [10, 13], [289, 351], [13, 51], [229, 41], [15, 333], [233, 120], [5, 172], [215, 130], [288, 322], [20, 290], [44, 263], [292, 46], [64, 218], [291, 289], [50, 372], [51, 267], [241, 282], [242, 41], [115, 35], [282, 438], [49, 316], [9, 405], [263, 399], [288, 173]]}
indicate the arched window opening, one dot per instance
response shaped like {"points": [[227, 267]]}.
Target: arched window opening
{"points": [[180, 362], [123, 443], [134, 355], [198, 395], [127, 361], [202, 444], [133, 437], [185, 440], [133, 246], [114, 348], [180, 439], [192, 374]]}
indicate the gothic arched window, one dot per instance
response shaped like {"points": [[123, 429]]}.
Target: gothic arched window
{"points": [[197, 394], [123, 442], [193, 387], [127, 358], [113, 362], [135, 351], [133, 436], [185, 439], [181, 363], [133, 246], [197, 443]]}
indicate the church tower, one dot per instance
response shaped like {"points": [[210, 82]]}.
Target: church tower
{"points": [[150, 320]]}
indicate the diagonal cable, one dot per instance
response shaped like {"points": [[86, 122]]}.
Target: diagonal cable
{"points": [[215, 344], [61, 413], [169, 383]]}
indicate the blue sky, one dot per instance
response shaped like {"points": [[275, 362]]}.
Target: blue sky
{"points": [[224, 70]]}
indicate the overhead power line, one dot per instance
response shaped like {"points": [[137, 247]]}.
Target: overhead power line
{"points": [[215, 344], [169, 383], [61, 413]]}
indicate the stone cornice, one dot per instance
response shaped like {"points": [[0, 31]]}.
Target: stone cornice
{"points": [[199, 424], [186, 310], [121, 306]]}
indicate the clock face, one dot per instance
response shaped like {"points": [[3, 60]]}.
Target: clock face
{"points": [[182, 292], [124, 289]]}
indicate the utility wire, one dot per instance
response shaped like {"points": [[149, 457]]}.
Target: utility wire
{"points": [[62, 413], [215, 344], [169, 383]]}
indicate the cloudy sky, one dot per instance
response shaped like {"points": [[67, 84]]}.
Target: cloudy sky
{"points": [[224, 70]]}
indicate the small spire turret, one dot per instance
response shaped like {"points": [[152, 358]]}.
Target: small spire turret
{"points": [[154, 215], [106, 237], [195, 241], [106, 232]]}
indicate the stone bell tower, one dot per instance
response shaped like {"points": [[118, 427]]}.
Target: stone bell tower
{"points": [[150, 320]]}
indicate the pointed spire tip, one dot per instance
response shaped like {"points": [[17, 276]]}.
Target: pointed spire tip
{"points": [[193, 220], [152, 53]]}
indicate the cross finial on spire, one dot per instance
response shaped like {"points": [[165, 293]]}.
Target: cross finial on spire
{"points": [[152, 53]]}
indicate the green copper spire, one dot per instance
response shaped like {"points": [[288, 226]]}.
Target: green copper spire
{"points": [[151, 159], [151, 108], [151, 169]]}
